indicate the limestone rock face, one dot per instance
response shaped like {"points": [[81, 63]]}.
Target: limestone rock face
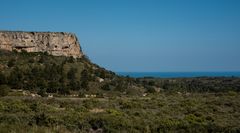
{"points": [[55, 43]]}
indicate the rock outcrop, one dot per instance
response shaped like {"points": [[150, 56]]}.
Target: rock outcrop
{"points": [[55, 43]]}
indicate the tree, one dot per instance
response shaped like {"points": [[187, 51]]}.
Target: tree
{"points": [[151, 83], [36, 72], [71, 74], [64, 91], [45, 53], [84, 79], [52, 72], [11, 63], [84, 84], [102, 74], [53, 87], [2, 78], [42, 59], [31, 60], [41, 83], [71, 60], [24, 52], [72, 85], [16, 78]]}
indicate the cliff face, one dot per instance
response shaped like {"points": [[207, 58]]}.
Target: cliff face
{"points": [[55, 43]]}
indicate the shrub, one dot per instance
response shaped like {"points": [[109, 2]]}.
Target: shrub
{"points": [[150, 89], [4, 89], [106, 87], [232, 93], [44, 120], [42, 92], [81, 94], [114, 112], [89, 104], [125, 104]]}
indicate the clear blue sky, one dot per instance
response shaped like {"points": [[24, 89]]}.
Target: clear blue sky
{"points": [[139, 35]]}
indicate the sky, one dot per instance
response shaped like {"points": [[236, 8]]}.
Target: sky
{"points": [[139, 35]]}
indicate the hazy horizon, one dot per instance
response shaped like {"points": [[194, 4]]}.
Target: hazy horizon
{"points": [[140, 35]]}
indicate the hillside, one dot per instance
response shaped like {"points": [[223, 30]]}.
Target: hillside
{"points": [[42, 73]]}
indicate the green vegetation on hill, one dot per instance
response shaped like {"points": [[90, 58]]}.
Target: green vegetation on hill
{"points": [[43, 73], [200, 84]]}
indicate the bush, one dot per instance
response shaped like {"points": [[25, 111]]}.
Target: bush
{"points": [[43, 120], [4, 89], [42, 92], [106, 87], [232, 93], [81, 94], [150, 89]]}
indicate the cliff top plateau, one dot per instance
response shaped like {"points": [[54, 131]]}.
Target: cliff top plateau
{"points": [[55, 43]]}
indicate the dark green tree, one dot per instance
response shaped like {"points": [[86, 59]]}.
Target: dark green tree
{"points": [[84, 79], [11, 63], [3, 79], [16, 78], [71, 75], [42, 59], [71, 60], [64, 91], [53, 87]]}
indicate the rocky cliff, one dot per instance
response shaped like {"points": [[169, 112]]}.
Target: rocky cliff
{"points": [[55, 43]]}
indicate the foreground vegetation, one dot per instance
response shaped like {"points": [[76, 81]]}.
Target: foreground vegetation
{"points": [[191, 112]]}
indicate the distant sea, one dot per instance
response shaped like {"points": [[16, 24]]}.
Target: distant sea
{"points": [[179, 74]]}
